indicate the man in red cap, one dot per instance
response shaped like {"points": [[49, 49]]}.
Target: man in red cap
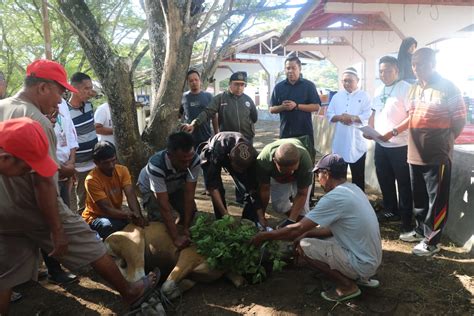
{"points": [[32, 215]]}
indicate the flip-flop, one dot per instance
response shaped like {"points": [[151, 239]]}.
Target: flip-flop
{"points": [[149, 288], [341, 298]]}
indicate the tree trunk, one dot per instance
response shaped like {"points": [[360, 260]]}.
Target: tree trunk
{"points": [[115, 75], [181, 29]]}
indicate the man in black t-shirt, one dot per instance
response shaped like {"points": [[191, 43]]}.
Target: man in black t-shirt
{"points": [[234, 153]]}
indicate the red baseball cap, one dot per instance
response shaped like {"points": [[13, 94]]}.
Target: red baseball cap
{"points": [[25, 139], [50, 70]]}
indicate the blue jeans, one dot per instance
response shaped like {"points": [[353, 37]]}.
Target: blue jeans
{"points": [[106, 226]]}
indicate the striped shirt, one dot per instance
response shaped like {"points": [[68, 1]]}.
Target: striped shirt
{"points": [[162, 177], [437, 116], [83, 119]]}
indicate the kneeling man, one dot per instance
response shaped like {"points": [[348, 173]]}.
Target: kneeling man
{"points": [[105, 186], [340, 236]]}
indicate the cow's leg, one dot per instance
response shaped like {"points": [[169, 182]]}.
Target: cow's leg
{"points": [[128, 247], [188, 259], [236, 279]]}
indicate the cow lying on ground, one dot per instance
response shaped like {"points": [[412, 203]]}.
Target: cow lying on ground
{"points": [[136, 249]]}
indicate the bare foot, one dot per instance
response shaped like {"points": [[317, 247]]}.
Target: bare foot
{"points": [[141, 287]]}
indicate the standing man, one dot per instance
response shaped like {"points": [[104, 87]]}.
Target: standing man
{"points": [[236, 110], [37, 218], [232, 152], [193, 103], [169, 182], [348, 109], [437, 117], [104, 126], [391, 106], [82, 114], [340, 236], [284, 172], [295, 99]]}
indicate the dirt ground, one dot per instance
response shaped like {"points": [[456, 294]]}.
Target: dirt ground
{"points": [[410, 285]]}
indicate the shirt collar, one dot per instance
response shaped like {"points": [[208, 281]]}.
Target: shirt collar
{"points": [[300, 79]]}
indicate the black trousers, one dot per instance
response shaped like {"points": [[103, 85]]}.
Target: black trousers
{"points": [[391, 166], [241, 185], [430, 187], [358, 172]]}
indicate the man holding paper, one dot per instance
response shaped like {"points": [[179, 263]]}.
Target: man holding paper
{"points": [[390, 119]]}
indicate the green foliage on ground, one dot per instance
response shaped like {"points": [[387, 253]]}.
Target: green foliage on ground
{"points": [[225, 244]]}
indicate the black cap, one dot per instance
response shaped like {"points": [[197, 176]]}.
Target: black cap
{"points": [[239, 76], [331, 162]]}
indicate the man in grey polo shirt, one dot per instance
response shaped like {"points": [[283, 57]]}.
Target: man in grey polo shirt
{"points": [[340, 236]]}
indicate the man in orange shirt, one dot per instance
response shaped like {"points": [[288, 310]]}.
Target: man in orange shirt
{"points": [[105, 186]]}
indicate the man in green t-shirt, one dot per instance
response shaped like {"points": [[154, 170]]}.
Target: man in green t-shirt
{"points": [[284, 172]]}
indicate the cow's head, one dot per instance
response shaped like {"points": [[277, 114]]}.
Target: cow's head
{"points": [[127, 248]]}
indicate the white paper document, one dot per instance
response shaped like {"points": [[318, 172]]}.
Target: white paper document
{"points": [[369, 131]]}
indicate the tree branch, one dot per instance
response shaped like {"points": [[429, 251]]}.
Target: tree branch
{"points": [[138, 39], [139, 57]]}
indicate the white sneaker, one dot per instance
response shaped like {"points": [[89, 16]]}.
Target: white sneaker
{"points": [[423, 249], [373, 283], [412, 236]]}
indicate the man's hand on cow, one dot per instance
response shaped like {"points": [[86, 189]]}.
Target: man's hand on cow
{"points": [[181, 242], [139, 220], [257, 240], [60, 243]]}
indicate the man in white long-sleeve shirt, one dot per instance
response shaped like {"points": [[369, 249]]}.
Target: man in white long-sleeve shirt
{"points": [[348, 109]]}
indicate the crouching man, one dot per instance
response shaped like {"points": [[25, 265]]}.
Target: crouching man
{"points": [[340, 236], [168, 183], [105, 186], [234, 153], [284, 172]]}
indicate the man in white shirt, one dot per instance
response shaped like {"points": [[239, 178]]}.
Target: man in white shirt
{"points": [[66, 149], [104, 127], [348, 109], [391, 106]]}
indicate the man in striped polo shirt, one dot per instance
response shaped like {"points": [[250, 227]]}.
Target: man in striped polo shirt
{"points": [[169, 182], [82, 115], [437, 117]]}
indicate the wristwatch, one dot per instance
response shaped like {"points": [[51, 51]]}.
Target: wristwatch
{"points": [[297, 106], [394, 132]]}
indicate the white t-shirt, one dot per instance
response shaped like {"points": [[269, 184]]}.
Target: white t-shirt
{"points": [[393, 112], [348, 141], [65, 133], [346, 211], [102, 116]]}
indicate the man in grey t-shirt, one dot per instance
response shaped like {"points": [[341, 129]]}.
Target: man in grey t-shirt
{"points": [[193, 103], [346, 246]]}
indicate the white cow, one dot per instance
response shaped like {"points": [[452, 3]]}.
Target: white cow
{"points": [[135, 248]]}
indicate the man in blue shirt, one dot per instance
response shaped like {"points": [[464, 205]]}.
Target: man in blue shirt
{"points": [[294, 99]]}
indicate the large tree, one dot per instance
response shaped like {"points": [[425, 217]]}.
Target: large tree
{"points": [[115, 73], [173, 29]]}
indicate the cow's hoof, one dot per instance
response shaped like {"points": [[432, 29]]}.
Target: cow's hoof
{"points": [[170, 289], [185, 285]]}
